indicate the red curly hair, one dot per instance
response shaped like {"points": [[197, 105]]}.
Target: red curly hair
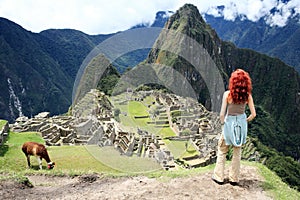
{"points": [[240, 87]]}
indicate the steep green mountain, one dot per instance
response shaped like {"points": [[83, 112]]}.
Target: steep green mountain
{"points": [[280, 42], [38, 69], [257, 149], [187, 22], [275, 84], [31, 80], [69, 47]]}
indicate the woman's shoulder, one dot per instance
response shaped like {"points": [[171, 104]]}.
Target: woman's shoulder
{"points": [[226, 93], [250, 98]]}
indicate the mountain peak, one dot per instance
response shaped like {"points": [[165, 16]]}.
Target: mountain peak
{"points": [[188, 20], [187, 15]]}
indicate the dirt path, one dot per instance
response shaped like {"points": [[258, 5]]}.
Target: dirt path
{"points": [[96, 187]]}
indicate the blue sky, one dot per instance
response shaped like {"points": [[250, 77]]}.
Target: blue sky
{"points": [[109, 16]]}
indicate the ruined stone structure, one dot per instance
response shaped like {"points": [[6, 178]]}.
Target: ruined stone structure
{"points": [[192, 122], [4, 132], [92, 122]]}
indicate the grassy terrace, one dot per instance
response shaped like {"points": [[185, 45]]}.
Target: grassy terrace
{"points": [[77, 160], [12, 157], [2, 123], [136, 108], [71, 159]]}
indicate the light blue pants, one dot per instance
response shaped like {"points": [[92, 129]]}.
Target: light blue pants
{"points": [[235, 130]]}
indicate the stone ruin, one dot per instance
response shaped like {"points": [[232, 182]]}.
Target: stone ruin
{"points": [[203, 127], [92, 122], [4, 132]]}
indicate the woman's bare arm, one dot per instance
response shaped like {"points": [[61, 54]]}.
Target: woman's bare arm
{"points": [[252, 109], [223, 107]]}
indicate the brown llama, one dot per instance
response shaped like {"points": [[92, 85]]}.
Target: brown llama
{"points": [[39, 151]]}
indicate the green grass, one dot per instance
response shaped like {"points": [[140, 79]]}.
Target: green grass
{"points": [[111, 157], [2, 123], [274, 186], [166, 132], [178, 148], [70, 160], [11, 155], [77, 160], [137, 109], [133, 109], [149, 100], [12, 159]]}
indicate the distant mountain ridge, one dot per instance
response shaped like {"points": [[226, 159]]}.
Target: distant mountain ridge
{"points": [[281, 42], [276, 33], [160, 19], [38, 69]]}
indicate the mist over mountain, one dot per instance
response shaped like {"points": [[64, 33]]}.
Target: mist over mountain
{"points": [[281, 42], [275, 32], [272, 28]]}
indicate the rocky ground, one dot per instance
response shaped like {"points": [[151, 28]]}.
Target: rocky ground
{"points": [[97, 187]]}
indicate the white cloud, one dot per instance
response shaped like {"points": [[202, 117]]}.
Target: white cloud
{"points": [[253, 9], [284, 11], [257, 9], [108, 16], [90, 16]]}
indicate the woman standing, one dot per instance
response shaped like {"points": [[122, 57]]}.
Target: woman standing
{"points": [[234, 124]]}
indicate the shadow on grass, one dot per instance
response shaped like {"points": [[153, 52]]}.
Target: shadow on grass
{"points": [[191, 151], [37, 167], [267, 186], [3, 150], [4, 147], [250, 184]]}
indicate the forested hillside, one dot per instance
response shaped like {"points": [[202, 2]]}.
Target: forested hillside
{"points": [[31, 80], [281, 42]]}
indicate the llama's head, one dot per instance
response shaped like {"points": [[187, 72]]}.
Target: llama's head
{"points": [[51, 165]]}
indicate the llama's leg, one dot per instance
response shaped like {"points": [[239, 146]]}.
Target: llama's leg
{"points": [[28, 160], [39, 159]]}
